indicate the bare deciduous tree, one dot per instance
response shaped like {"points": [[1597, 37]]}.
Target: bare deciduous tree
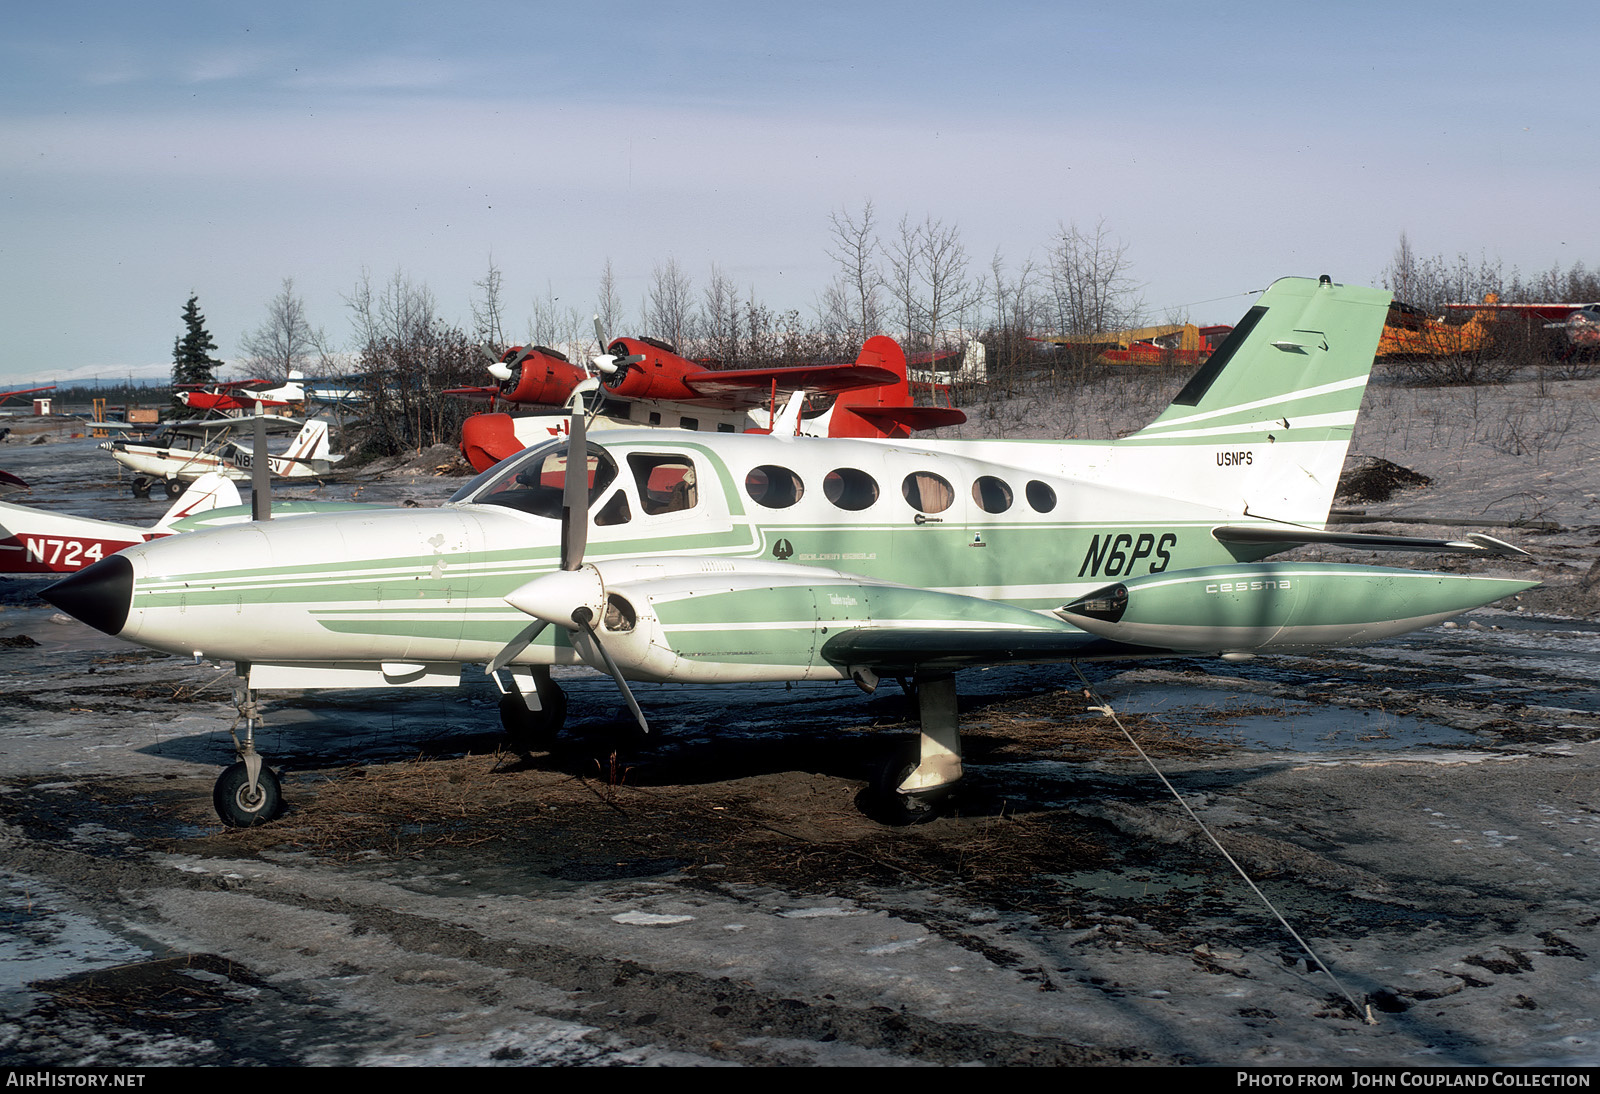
{"points": [[1015, 303], [901, 280], [286, 340], [1091, 287], [943, 271], [669, 309], [488, 309], [400, 309], [719, 318], [853, 297], [407, 358], [608, 304]]}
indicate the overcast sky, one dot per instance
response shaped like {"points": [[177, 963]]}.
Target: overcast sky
{"points": [[152, 150]]}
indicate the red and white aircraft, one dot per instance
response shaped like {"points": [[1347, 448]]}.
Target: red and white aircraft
{"points": [[233, 397], [646, 383]]}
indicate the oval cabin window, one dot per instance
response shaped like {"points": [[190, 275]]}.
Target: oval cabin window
{"points": [[991, 494], [927, 492], [773, 486], [850, 489]]}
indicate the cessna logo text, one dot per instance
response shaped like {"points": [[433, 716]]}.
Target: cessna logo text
{"points": [[1246, 586], [1119, 554]]}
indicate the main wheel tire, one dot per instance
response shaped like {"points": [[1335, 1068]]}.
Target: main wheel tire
{"points": [[533, 730], [883, 802], [141, 487], [175, 488], [237, 807]]}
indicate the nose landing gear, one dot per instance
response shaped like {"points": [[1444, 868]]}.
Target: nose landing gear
{"points": [[246, 793]]}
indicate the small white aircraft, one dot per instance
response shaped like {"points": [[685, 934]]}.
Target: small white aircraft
{"points": [[725, 557], [181, 452]]}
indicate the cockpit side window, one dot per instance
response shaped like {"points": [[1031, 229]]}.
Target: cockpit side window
{"points": [[613, 512], [535, 481], [667, 483]]}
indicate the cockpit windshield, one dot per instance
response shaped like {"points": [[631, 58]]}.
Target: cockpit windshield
{"points": [[534, 481]]}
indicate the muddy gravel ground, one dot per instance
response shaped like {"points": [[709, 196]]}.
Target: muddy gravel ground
{"points": [[1424, 812]]}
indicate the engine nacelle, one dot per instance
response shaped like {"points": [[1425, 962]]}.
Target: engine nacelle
{"points": [[719, 620], [1279, 605], [543, 376], [659, 375]]}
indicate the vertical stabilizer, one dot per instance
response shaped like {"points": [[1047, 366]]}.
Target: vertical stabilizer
{"points": [[1264, 424]]}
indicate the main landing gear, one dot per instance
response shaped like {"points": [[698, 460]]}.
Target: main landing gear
{"points": [[143, 485], [912, 787], [532, 709], [247, 793]]}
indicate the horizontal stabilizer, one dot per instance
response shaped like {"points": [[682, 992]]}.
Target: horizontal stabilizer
{"points": [[1280, 535], [914, 418]]}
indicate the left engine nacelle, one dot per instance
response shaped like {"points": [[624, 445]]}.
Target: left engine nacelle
{"points": [[544, 376]]}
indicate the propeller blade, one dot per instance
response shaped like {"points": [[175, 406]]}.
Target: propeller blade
{"points": [[515, 646], [584, 618], [575, 496]]}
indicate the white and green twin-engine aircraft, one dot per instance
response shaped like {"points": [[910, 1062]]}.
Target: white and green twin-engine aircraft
{"points": [[728, 557]]}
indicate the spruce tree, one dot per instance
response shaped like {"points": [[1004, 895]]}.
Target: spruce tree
{"points": [[192, 362]]}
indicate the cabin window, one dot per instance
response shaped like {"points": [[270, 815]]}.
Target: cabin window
{"points": [[689, 423], [850, 489], [535, 481], [655, 417], [725, 427], [666, 484], [613, 512], [1041, 497], [927, 492], [991, 494], [773, 486]]}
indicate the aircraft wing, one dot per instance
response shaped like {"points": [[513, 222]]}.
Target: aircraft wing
{"points": [[222, 385], [481, 394], [901, 651], [753, 386], [205, 427]]}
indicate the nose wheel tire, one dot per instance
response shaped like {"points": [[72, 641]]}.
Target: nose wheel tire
{"points": [[238, 806]]}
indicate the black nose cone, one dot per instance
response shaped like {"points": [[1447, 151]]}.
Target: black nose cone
{"points": [[100, 595]]}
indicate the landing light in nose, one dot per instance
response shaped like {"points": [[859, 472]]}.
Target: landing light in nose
{"points": [[99, 595]]}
